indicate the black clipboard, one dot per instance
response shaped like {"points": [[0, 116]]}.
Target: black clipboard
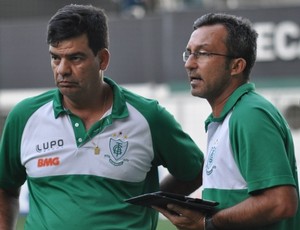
{"points": [[161, 199]]}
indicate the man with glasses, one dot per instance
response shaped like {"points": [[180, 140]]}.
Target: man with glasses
{"points": [[250, 165], [90, 144]]}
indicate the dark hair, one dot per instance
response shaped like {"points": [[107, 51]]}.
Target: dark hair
{"points": [[74, 20], [241, 38]]}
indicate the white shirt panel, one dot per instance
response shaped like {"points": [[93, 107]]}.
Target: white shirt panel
{"points": [[220, 169], [49, 149]]}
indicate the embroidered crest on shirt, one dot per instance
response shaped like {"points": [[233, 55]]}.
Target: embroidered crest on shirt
{"points": [[118, 146], [209, 166]]}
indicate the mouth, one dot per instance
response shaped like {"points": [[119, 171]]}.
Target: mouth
{"points": [[66, 84], [195, 79]]}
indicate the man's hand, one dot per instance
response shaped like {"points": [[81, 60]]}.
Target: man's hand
{"points": [[182, 218]]}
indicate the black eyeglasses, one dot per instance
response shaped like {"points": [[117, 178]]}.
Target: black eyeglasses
{"points": [[202, 55]]}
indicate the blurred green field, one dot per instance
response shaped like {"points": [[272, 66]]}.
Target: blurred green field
{"points": [[165, 225], [162, 224]]}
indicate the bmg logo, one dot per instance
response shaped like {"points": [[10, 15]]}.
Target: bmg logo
{"points": [[45, 162]]}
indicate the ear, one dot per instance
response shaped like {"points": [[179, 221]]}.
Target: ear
{"points": [[237, 66], [103, 56]]}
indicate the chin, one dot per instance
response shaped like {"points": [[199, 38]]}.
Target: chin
{"points": [[196, 93]]}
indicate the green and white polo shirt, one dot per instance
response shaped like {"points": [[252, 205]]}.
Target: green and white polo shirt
{"points": [[250, 148], [72, 186]]}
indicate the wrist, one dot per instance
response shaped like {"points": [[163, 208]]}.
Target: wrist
{"points": [[208, 223]]}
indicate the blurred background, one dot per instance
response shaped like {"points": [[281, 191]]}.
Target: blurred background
{"points": [[147, 38]]}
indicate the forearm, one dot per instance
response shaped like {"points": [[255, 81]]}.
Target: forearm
{"points": [[266, 208], [9, 209], [242, 216], [171, 184]]}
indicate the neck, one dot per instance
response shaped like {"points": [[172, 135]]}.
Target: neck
{"points": [[218, 102], [92, 110]]}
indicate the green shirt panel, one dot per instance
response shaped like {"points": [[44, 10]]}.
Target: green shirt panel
{"points": [[262, 143], [59, 203]]}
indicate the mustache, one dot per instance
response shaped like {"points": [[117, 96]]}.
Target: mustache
{"points": [[192, 75], [65, 79], [66, 82]]}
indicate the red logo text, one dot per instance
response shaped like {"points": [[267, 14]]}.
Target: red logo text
{"points": [[46, 162]]}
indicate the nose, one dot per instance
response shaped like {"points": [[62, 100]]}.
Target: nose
{"points": [[190, 63], [63, 68]]}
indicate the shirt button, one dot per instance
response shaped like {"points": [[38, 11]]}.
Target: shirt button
{"points": [[76, 125], [79, 139]]}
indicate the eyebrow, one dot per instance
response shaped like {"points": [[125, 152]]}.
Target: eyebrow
{"points": [[68, 55], [198, 47]]}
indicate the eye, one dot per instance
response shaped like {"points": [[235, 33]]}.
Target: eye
{"points": [[76, 58], [54, 57], [202, 54]]}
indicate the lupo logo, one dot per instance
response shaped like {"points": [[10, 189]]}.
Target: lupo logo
{"points": [[50, 145]]}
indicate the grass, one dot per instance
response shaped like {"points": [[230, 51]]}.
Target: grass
{"points": [[20, 224], [165, 225], [162, 224]]}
